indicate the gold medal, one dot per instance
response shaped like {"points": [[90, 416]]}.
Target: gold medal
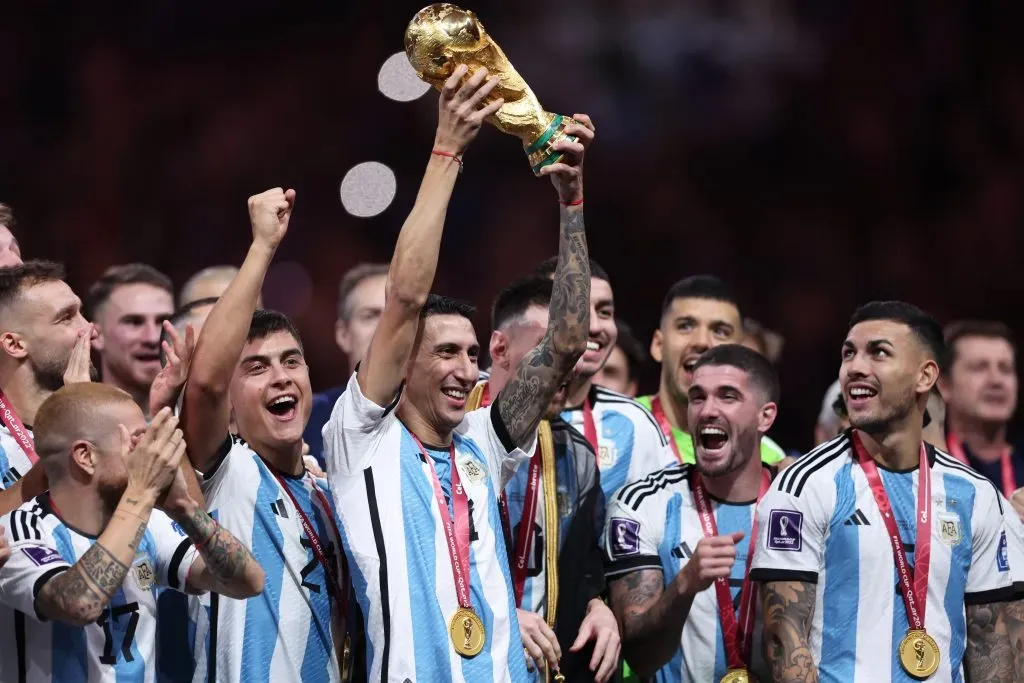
{"points": [[467, 632], [919, 654], [736, 676]]}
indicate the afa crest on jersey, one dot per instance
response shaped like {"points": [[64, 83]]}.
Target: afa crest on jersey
{"points": [[949, 530]]}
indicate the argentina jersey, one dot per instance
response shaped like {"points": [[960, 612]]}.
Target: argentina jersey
{"points": [[653, 524], [819, 524], [397, 549], [576, 479], [120, 647], [630, 444], [286, 633], [13, 461]]}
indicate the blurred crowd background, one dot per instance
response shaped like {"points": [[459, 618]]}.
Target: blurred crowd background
{"points": [[814, 154]]}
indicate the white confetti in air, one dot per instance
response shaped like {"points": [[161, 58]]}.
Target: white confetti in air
{"points": [[398, 81], [367, 189]]}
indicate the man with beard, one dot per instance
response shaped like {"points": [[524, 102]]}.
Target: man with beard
{"points": [[44, 342], [129, 304], [698, 313], [980, 388], [622, 432], [79, 591], [10, 250], [879, 556], [404, 457], [250, 363], [558, 587], [678, 541]]}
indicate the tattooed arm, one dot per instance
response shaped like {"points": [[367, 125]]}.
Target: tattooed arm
{"points": [[988, 656], [79, 595], [788, 607], [524, 400], [1013, 615], [651, 618], [224, 565]]}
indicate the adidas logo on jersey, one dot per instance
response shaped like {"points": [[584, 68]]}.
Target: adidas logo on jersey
{"points": [[857, 519], [279, 509]]}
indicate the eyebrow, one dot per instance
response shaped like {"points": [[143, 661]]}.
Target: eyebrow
{"points": [[66, 310], [604, 302]]}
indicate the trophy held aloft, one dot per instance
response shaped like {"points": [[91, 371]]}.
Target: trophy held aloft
{"points": [[442, 36]]}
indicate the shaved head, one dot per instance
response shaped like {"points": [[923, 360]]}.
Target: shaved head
{"points": [[208, 283]]}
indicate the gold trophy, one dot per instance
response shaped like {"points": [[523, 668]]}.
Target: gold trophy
{"points": [[442, 36]]}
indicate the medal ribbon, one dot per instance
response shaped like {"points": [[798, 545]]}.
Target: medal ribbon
{"points": [[913, 580], [1009, 481], [15, 427], [457, 533], [590, 429], [738, 635], [524, 540], [663, 423]]}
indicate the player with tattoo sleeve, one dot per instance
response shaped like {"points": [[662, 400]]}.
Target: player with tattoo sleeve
{"points": [[880, 557], [678, 541], [79, 593]]}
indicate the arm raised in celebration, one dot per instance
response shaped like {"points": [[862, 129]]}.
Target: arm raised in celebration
{"points": [[414, 263], [547, 366], [788, 608], [206, 411]]}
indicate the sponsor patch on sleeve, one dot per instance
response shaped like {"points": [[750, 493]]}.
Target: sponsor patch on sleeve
{"points": [[625, 537], [41, 556], [1002, 555], [784, 530]]}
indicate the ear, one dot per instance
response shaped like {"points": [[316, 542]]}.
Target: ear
{"points": [[341, 336], [498, 349], [766, 417], [13, 345], [632, 388], [927, 376], [656, 342], [84, 457]]}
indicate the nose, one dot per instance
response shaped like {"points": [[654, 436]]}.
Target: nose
{"points": [[153, 330], [466, 370], [278, 376], [709, 409]]}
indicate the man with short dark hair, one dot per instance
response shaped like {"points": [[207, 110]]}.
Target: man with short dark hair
{"points": [[129, 304], [621, 371], [44, 343], [698, 313], [879, 556], [10, 250], [678, 541], [980, 389], [360, 303]]}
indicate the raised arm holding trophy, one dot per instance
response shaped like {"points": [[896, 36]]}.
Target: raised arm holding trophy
{"points": [[442, 36]]}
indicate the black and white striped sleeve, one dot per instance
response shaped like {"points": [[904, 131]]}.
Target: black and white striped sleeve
{"points": [[34, 560]]}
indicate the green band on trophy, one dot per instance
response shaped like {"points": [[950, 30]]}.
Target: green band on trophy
{"points": [[539, 142]]}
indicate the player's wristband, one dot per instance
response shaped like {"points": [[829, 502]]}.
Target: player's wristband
{"points": [[216, 528], [456, 157], [575, 202]]}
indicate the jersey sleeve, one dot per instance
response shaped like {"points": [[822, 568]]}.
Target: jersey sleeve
{"points": [[486, 427], [355, 429], [989, 578], [1014, 546], [791, 532], [219, 475], [651, 450], [631, 538], [174, 551], [34, 560]]}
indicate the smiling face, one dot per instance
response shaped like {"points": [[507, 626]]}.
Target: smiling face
{"points": [[443, 370], [270, 392], [885, 370], [982, 381], [129, 325], [690, 327], [727, 414], [603, 332]]}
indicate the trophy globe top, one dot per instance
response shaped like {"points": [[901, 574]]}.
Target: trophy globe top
{"points": [[436, 33]]}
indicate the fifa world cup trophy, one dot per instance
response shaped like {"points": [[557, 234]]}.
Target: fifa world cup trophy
{"points": [[442, 36]]}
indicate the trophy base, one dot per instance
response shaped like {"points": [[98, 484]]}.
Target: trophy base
{"points": [[539, 153]]}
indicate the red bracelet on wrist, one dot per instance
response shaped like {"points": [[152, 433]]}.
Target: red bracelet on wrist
{"points": [[456, 157], [575, 202]]}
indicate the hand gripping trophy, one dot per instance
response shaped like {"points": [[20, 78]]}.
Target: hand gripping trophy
{"points": [[442, 36]]}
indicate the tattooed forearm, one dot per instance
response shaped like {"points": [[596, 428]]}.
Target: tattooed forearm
{"points": [[988, 656], [1013, 614], [229, 568], [651, 618], [525, 398], [788, 607], [79, 595]]}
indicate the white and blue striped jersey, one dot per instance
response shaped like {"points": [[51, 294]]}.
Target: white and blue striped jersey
{"points": [[13, 461], [397, 549], [120, 647], [630, 444], [819, 523], [653, 524], [284, 634]]}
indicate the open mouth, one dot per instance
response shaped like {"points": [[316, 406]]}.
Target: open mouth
{"points": [[455, 396], [712, 438], [689, 363], [283, 407], [860, 394], [147, 357]]}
